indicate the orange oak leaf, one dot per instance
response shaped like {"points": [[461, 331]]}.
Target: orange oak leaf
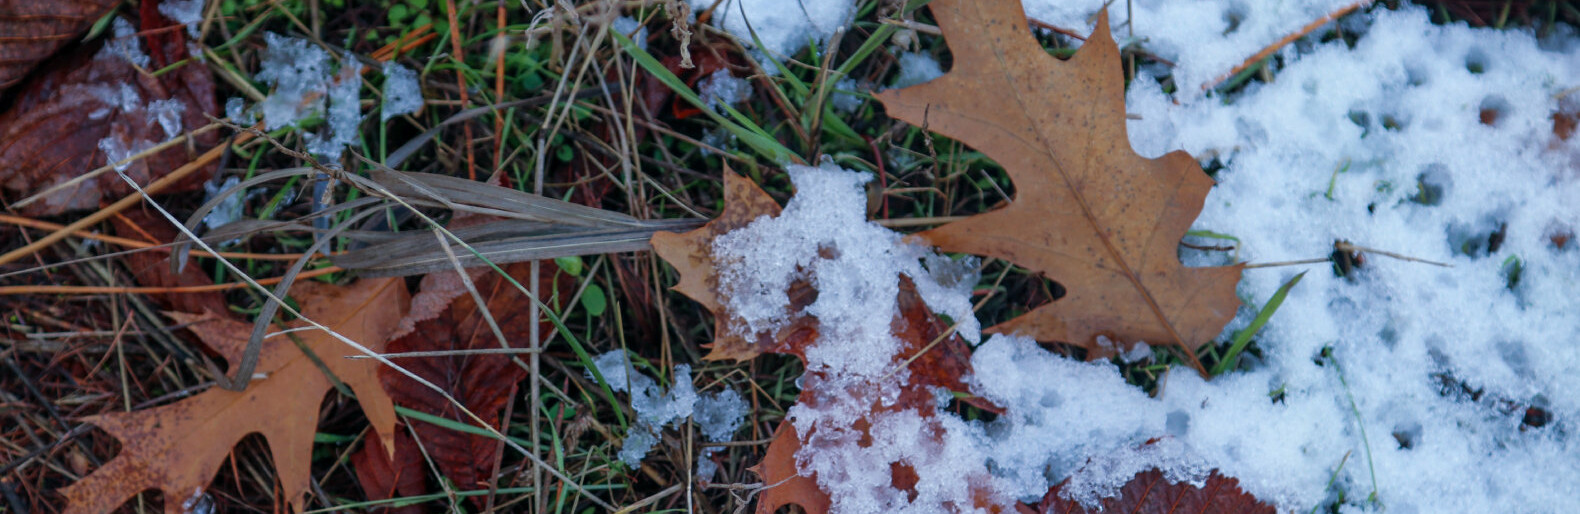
{"points": [[177, 448], [1089, 212], [691, 254], [1149, 491]]}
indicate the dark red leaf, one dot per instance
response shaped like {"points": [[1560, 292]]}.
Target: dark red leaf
{"points": [[481, 382], [79, 105], [382, 478], [32, 30], [1150, 493]]}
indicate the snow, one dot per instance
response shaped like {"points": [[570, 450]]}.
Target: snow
{"points": [[721, 88], [402, 93], [229, 209], [304, 86], [1204, 38], [167, 113], [783, 27], [718, 414], [115, 151], [916, 68], [633, 29], [1396, 125], [236, 109], [823, 236], [299, 73], [847, 96], [124, 44], [185, 12], [1435, 366], [1402, 386]]}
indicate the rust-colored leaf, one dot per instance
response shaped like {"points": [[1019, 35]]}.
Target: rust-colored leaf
{"points": [[1148, 492], [691, 254], [1089, 212], [91, 107], [383, 477], [480, 382], [32, 30], [177, 448]]}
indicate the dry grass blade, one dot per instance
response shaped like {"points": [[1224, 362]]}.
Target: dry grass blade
{"points": [[503, 242], [470, 196]]}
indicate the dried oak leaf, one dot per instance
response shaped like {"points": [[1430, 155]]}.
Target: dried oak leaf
{"points": [[31, 31], [691, 254], [480, 382], [177, 448], [1149, 492], [1089, 212], [91, 107]]}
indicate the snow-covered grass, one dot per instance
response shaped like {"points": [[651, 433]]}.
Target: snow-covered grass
{"points": [[1461, 377]]}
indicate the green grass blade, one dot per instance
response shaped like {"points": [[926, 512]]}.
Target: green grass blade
{"points": [[1243, 337], [453, 424], [879, 37], [742, 127]]}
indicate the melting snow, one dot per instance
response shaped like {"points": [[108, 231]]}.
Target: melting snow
{"points": [[783, 27], [402, 93], [718, 414]]}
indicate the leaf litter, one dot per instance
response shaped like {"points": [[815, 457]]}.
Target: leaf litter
{"points": [[156, 443]]}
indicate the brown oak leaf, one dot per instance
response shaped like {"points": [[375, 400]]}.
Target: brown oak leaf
{"points": [[31, 31], [1089, 212], [1149, 492], [91, 107], [177, 448]]}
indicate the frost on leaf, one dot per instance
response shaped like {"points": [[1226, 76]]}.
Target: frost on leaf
{"points": [[94, 107]]}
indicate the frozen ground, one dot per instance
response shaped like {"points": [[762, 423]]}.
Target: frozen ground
{"points": [[1409, 386]]}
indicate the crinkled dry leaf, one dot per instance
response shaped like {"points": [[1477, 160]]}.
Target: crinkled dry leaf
{"points": [[89, 108], [177, 448], [1149, 492], [33, 30], [1089, 212]]}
